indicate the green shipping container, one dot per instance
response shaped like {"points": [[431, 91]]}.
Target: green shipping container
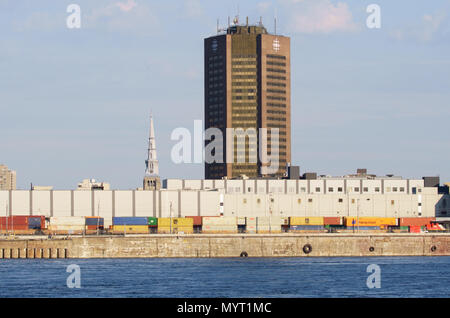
{"points": [[152, 221], [404, 228]]}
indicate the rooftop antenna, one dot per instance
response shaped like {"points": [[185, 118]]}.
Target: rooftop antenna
{"points": [[217, 26], [260, 20], [229, 24], [275, 21], [236, 18]]}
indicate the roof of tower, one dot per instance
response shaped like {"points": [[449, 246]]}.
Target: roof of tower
{"points": [[247, 29]]}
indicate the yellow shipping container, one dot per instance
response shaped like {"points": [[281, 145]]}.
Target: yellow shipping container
{"points": [[370, 221], [130, 229], [313, 220], [165, 222], [175, 229]]}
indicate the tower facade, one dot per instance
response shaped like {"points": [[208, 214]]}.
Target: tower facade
{"points": [[7, 178], [247, 86], [151, 178]]}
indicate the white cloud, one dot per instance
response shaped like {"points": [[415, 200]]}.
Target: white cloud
{"points": [[319, 16], [128, 6], [123, 17], [429, 28]]}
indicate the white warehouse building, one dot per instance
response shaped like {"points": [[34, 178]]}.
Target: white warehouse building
{"points": [[323, 196]]}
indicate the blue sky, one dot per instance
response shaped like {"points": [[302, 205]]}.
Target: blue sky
{"points": [[74, 103]]}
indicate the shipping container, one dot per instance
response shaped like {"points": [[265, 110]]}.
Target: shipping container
{"points": [[130, 221], [13, 220], [295, 220], [165, 222], [269, 229], [304, 228], [130, 229], [68, 220], [175, 229], [64, 227], [414, 229], [92, 227], [363, 228], [250, 220], [197, 220], [370, 221], [152, 221], [241, 220], [15, 227], [94, 220], [36, 222], [223, 220], [219, 229], [285, 220], [416, 221], [264, 220], [332, 220], [183, 230]]}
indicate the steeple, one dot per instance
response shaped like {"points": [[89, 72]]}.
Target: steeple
{"points": [[151, 178], [151, 164]]}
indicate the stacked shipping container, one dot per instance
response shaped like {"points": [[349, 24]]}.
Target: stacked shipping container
{"points": [[130, 225], [223, 224], [175, 225], [67, 225], [306, 224]]}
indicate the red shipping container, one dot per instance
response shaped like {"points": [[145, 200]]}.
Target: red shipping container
{"points": [[415, 221], [14, 220], [332, 220], [197, 219], [15, 227], [414, 229], [93, 227]]}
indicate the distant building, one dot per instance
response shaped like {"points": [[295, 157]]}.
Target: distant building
{"points": [[41, 188], [7, 178], [91, 184], [247, 86]]}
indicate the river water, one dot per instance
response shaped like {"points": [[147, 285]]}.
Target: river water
{"points": [[227, 277]]}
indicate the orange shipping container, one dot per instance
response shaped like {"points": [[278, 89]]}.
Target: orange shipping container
{"points": [[415, 221], [197, 219], [332, 220], [370, 221]]}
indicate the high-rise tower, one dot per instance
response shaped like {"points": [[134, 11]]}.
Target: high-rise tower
{"points": [[151, 178], [247, 85]]}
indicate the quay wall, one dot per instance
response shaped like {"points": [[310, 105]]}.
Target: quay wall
{"points": [[230, 245]]}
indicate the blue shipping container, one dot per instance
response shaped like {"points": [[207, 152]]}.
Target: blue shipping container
{"points": [[130, 221], [364, 228], [34, 223], [95, 221]]}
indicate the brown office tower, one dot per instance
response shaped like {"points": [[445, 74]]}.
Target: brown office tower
{"points": [[247, 85]]}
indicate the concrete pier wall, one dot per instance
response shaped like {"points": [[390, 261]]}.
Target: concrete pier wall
{"points": [[270, 245]]}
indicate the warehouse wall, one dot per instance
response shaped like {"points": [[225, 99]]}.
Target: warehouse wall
{"points": [[181, 203]]}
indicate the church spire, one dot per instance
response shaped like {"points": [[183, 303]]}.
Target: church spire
{"points": [[151, 178], [151, 164]]}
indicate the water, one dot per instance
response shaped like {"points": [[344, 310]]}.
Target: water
{"points": [[231, 277]]}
